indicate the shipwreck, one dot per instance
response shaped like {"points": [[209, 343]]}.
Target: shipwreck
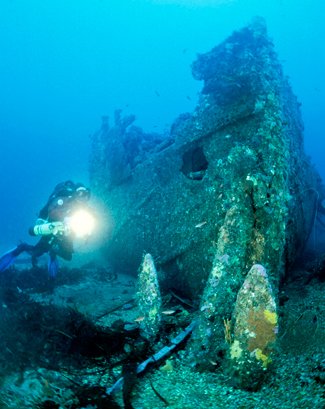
{"points": [[224, 203]]}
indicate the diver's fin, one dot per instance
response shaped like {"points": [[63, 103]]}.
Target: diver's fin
{"points": [[9, 258], [53, 266]]}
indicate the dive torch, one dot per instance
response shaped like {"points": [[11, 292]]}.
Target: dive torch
{"points": [[81, 223]]}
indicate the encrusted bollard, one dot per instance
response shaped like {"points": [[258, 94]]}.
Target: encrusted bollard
{"points": [[149, 298], [255, 330]]}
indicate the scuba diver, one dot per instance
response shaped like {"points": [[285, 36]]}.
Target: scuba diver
{"points": [[63, 218]]}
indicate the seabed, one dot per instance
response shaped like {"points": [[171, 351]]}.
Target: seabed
{"points": [[65, 342]]}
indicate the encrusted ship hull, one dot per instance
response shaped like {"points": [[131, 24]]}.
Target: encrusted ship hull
{"points": [[230, 183]]}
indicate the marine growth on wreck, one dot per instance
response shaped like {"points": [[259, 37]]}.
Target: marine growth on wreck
{"points": [[228, 189]]}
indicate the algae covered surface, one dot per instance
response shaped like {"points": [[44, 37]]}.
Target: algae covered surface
{"points": [[49, 362], [296, 379], [230, 183]]}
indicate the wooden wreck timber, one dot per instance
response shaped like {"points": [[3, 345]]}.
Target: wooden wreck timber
{"points": [[229, 188]]}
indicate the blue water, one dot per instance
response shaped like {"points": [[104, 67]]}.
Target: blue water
{"points": [[64, 64]]}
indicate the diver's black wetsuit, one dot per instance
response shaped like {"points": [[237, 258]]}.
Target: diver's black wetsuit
{"points": [[60, 204]]}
